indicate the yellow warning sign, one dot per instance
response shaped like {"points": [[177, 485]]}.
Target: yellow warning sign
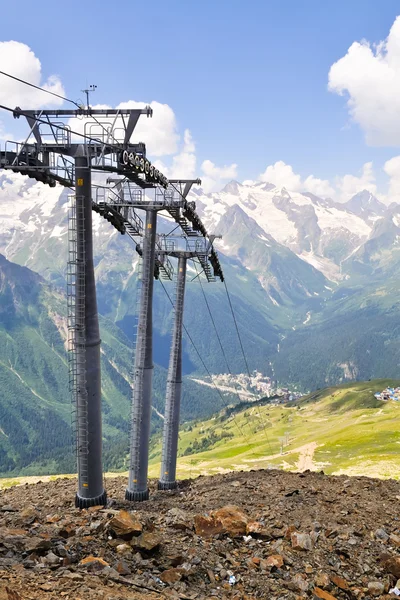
{"points": [[79, 182], [148, 225]]}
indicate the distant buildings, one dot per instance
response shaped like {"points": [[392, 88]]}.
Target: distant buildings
{"points": [[251, 388], [389, 394]]}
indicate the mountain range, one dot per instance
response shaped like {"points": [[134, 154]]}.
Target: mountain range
{"points": [[313, 282]]}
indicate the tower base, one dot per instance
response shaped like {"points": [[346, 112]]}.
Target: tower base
{"points": [[86, 502], [136, 496], [167, 485]]}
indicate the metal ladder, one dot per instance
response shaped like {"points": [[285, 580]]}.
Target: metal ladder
{"points": [[77, 335], [137, 363]]}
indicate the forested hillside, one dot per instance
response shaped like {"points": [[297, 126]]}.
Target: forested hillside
{"points": [[35, 404]]}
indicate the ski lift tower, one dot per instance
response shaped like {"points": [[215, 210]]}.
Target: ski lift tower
{"points": [[156, 262], [183, 248], [59, 154]]}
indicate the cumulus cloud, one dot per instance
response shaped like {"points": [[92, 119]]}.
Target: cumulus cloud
{"points": [[319, 187], [349, 185], [370, 76], [19, 60], [213, 176], [283, 175], [392, 170], [184, 163]]}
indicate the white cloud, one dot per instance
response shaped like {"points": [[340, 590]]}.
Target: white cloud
{"points": [[184, 163], [160, 132], [392, 169], [319, 187], [370, 75], [213, 177], [19, 60], [281, 175], [349, 185]]}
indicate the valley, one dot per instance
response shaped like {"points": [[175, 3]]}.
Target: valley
{"points": [[313, 284]]}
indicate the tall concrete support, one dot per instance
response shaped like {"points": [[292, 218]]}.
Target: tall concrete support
{"points": [[174, 388], [87, 349], [143, 371]]}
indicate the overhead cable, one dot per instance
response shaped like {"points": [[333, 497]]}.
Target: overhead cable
{"points": [[37, 87]]}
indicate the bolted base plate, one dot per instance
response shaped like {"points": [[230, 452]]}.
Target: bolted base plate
{"points": [[136, 496], [167, 485], [86, 502]]}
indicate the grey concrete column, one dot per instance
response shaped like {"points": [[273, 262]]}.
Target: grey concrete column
{"points": [[143, 372], [174, 389], [89, 438]]}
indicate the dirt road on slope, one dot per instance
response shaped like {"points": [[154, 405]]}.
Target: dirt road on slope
{"points": [[306, 456]]}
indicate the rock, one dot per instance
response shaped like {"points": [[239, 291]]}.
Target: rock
{"points": [[228, 520], [233, 520], [147, 541], [394, 539], [67, 531], [288, 532], [29, 515], [73, 576], [52, 559], [122, 568], [275, 560], [123, 549], [171, 575], [308, 569], [301, 541], [176, 560], [93, 563], [94, 509], [37, 544], [178, 519], [206, 526], [381, 534], [300, 582], [125, 525], [339, 582], [8, 508], [376, 588], [392, 566], [318, 593], [258, 530]]}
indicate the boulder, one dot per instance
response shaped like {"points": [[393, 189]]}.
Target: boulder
{"points": [[229, 520], [125, 525]]}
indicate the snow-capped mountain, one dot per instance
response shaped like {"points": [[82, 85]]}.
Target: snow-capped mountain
{"points": [[300, 269], [325, 234], [321, 232]]}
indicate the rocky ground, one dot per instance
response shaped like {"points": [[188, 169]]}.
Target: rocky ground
{"points": [[262, 534]]}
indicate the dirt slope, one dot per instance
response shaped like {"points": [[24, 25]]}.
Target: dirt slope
{"points": [[291, 535]]}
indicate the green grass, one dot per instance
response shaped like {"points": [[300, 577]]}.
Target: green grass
{"points": [[353, 432]]}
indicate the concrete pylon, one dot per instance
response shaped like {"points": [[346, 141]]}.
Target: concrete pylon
{"points": [[143, 371], [167, 479], [87, 348]]}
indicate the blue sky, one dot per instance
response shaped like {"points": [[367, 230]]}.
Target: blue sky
{"points": [[248, 79]]}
